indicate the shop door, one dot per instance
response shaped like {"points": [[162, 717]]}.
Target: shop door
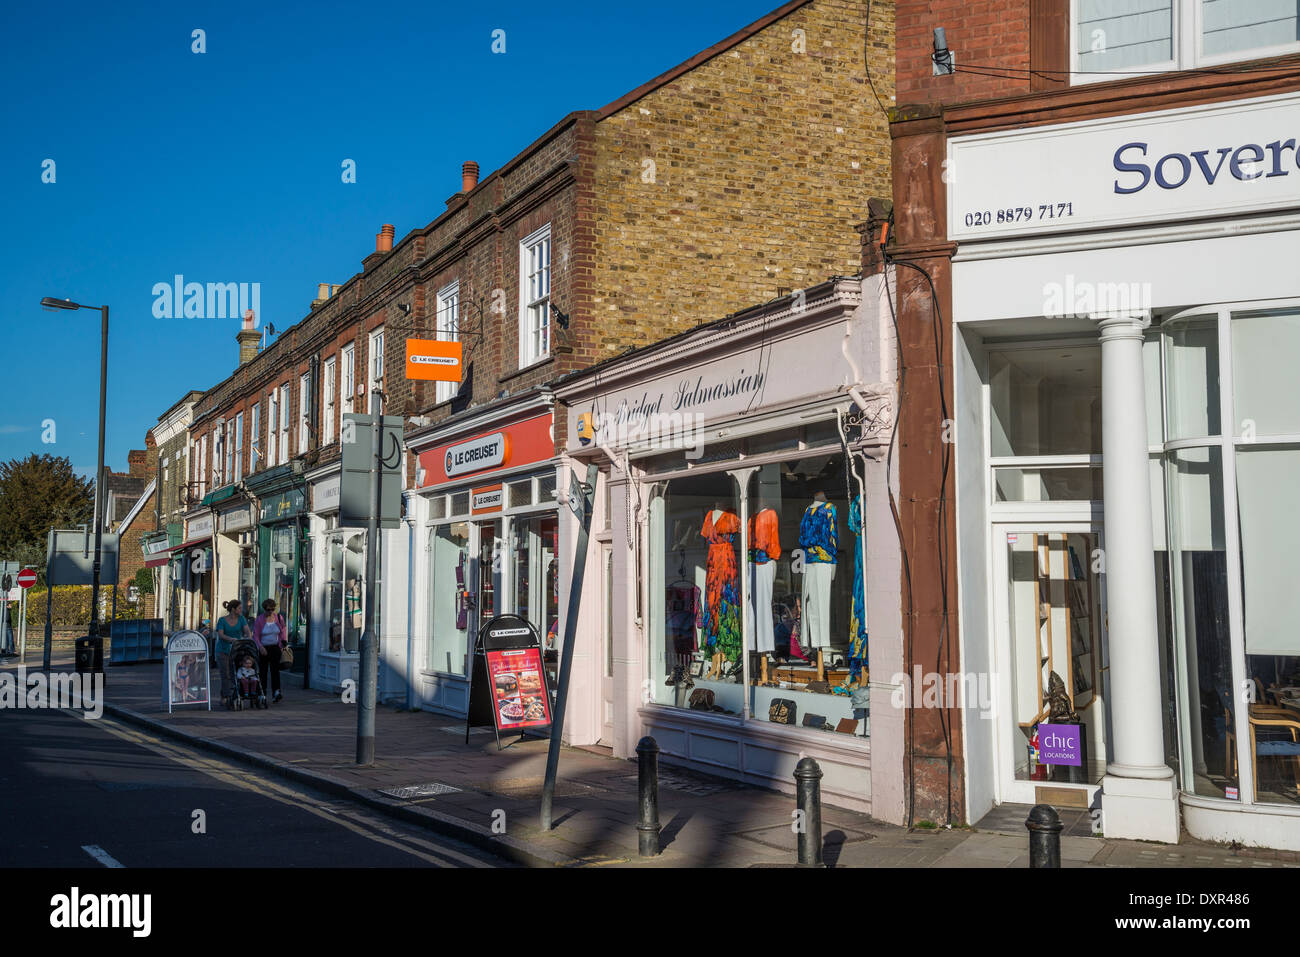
{"points": [[491, 555], [1050, 658], [607, 645]]}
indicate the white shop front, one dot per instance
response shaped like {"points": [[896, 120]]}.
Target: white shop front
{"points": [[1126, 309], [729, 582]]}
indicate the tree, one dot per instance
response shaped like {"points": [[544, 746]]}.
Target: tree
{"points": [[144, 581], [38, 493]]}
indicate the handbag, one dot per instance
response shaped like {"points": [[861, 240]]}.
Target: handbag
{"points": [[286, 656], [782, 711]]}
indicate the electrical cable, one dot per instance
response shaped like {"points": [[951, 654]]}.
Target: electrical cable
{"points": [[866, 59]]}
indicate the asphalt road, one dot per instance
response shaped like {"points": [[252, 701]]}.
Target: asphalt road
{"points": [[81, 793]]}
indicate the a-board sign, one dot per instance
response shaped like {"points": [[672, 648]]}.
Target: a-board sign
{"points": [[185, 670], [508, 689]]}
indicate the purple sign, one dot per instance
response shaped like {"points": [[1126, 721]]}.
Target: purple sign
{"points": [[1059, 744]]}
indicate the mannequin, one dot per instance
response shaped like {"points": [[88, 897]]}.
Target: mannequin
{"points": [[858, 611], [819, 541], [721, 612], [764, 551]]}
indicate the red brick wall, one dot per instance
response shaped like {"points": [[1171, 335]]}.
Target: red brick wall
{"points": [[981, 34]]}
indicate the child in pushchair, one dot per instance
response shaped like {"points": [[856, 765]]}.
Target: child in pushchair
{"points": [[247, 685]]}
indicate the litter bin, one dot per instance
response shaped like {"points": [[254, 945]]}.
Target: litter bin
{"points": [[90, 655]]}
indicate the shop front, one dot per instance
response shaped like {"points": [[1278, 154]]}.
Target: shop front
{"points": [[747, 541], [281, 560], [192, 568], [487, 537], [236, 555], [1124, 379], [339, 566]]}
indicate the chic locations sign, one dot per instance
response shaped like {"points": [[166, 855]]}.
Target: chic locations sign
{"points": [[1187, 163]]}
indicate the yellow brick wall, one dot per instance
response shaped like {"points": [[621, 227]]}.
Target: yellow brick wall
{"points": [[764, 159]]}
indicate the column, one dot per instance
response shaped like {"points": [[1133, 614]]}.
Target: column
{"points": [[1140, 799]]}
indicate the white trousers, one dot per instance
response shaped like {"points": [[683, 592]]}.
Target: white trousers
{"points": [[761, 577], [815, 627]]}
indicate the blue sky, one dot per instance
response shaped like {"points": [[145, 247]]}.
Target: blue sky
{"points": [[225, 166]]}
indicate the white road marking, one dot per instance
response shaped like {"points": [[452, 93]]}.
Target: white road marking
{"points": [[101, 855]]}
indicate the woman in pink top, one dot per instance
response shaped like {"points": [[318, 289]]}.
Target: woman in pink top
{"points": [[271, 635]]}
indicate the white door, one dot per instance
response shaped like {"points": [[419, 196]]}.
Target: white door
{"points": [[607, 644], [1049, 611]]}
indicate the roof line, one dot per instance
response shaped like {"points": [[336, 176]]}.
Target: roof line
{"points": [[703, 56]]}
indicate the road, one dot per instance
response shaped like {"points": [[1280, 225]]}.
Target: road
{"points": [[83, 793]]}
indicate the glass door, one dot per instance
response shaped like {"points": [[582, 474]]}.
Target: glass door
{"points": [[607, 645], [490, 560], [1052, 658]]}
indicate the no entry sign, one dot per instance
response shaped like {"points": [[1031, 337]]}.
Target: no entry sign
{"points": [[27, 577]]}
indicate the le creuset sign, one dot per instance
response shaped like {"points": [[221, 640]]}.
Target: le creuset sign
{"points": [[1187, 163], [485, 452]]}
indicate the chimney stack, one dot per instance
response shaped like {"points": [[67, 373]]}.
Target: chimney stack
{"points": [[384, 239], [135, 462], [468, 176], [248, 338]]}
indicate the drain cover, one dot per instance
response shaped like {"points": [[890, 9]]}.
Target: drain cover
{"points": [[418, 791]]}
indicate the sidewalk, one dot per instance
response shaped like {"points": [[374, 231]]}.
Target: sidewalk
{"points": [[706, 821]]}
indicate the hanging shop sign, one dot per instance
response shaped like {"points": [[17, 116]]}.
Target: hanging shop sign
{"points": [[199, 527], [237, 519], [325, 495], [185, 670], [508, 688], [433, 360], [1187, 163], [283, 506], [522, 443]]}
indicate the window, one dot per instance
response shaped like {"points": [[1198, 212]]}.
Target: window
{"points": [[304, 413], [254, 442], [349, 383], [448, 330], [199, 475], [344, 593], [449, 609], [535, 297], [218, 456], [272, 417], [239, 447], [376, 354], [284, 423], [1110, 37], [327, 402]]}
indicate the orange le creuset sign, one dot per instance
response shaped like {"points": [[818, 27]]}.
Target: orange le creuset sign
{"points": [[433, 359]]}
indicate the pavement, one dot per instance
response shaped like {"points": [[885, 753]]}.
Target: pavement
{"points": [[490, 800]]}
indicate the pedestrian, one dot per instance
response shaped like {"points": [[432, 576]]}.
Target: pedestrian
{"points": [[272, 635], [230, 628]]}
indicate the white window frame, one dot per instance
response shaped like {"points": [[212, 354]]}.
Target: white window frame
{"points": [[349, 384], [239, 446], [531, 353], [329, 391], [304, 412], [284, 423], [254, 438], [1186, 23], [272, 418], [447, 324], [375, 365]]}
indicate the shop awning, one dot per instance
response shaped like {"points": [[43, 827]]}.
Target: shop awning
{"points": [[162, 559], [191, 543], [218, 495]]}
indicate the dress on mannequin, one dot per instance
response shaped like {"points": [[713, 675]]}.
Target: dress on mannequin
{"points": [[858, 612], [722, 584], [765, 549], [819, 541]]}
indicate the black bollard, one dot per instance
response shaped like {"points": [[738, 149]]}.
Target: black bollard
{"points": [[1044, 836], [807, 777], [647, 778]]}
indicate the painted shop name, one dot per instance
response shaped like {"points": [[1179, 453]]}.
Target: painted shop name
{"points": [[1172, 170]]}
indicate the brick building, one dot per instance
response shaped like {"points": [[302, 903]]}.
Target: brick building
{"points": [[1097, 209], [128, 511]]}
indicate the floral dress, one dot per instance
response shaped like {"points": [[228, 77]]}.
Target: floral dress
{"points": [[858, 614], [722, 583]]}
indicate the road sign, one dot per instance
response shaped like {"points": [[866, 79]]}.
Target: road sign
{"points": [[356, 498], [27, 577]]}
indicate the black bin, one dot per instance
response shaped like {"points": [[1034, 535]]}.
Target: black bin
{"points": [[90, 655]]}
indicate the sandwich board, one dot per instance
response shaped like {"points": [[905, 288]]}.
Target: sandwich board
{"points": [[508, 686]]}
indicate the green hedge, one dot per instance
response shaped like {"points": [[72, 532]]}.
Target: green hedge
{"points": [[70, 606]]}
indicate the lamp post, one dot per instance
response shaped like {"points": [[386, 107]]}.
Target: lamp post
{"points": [[51, 303]]}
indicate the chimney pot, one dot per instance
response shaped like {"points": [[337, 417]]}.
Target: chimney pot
{"points": [[322, 290], [384, 239], [468, 176]]}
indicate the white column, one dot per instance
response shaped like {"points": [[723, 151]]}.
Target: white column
{"points": [[1140, 793]]}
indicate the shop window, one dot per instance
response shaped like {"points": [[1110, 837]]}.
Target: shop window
{"points": [[1191, 377], [344, 590], [438, 506], [546, 489], [1199, 575], [284, 573], [1045, 401], [450, 613], [804, 582], [536, 575], [1264, 350], [1071, 483], [460, 503], [521, 493], [1054, 608]]}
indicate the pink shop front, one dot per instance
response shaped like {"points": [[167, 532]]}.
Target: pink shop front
{"points": [[741, 591]]}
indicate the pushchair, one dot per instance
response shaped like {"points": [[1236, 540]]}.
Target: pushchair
{"points": [[255, 696]]}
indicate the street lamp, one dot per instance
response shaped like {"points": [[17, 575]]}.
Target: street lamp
{"points": [[51, 303]]}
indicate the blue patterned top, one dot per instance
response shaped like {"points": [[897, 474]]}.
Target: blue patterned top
{"points": [[817, 535]]}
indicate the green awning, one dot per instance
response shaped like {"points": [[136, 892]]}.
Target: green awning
{"points": [[218, 495]]}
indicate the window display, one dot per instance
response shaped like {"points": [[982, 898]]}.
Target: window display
{"points": [[449, 614], [345, 554]]}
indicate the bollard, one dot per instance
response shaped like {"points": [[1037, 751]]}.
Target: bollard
{"points": [[1044, 826], [808, 776], [647, 778]]}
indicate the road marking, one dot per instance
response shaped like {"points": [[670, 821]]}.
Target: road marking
{"points": [[365, 825], [101, 855]]}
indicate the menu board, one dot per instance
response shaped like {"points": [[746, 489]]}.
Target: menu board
{"points": [[185, 670], [519, 698]]}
